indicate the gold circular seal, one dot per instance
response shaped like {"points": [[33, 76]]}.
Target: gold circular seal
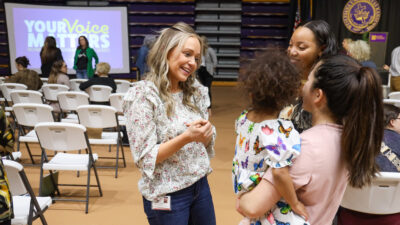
{"points": [[361, 16]]}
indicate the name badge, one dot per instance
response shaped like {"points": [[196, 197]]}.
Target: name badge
{"points": [[161, 203]]}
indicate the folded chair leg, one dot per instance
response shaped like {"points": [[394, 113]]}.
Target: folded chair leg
{"points": [[30, 215], [117, 159], [41, 175], [87, 188], [77, 172], [29, 152], [123, 154], [97, 179]]}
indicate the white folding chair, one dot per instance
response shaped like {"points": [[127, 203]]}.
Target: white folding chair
{"points": [[26, 206], [395, 102], [99, 93], [26, 96], [69, 102], [6, 89], [381, 197], [50, 91], [75, 84], [66, 137], [28, 115], [394, 95], [116, 101], [45, 80], [101, 116], [122, 86]]}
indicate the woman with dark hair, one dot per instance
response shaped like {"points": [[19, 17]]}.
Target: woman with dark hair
{"points": [[49, 54], [25, 76], [309, 43], [83, 59], [345, 100]]}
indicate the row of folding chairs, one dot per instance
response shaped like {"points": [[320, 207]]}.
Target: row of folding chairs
{"points": [[59, 138], [62, 136], [91, 116], [122, 85], [97, 93]]}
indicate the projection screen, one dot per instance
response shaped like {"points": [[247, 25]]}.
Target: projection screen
{"points": [[106, 29]]}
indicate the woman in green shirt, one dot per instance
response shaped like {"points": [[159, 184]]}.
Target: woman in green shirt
{"points": [[83, 59]]}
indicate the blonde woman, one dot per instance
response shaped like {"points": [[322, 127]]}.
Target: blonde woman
{"points": [[361, 51], [102, 70], [170, 136]]}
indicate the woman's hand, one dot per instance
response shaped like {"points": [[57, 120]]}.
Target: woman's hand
{"points": [[200, 131], [300, 210]]}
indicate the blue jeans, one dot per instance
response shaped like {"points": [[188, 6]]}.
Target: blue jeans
{"points": [[81, 74], [190, 206]]}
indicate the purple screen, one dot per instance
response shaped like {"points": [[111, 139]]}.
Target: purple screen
{"points": [[101, 27]]}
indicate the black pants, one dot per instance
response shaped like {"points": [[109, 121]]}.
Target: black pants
{"points": [[205, 79]]}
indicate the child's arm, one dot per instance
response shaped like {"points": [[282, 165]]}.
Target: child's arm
{"points": [[284, 185]]}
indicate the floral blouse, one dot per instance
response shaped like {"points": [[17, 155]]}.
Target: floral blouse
{"points": [[148, 126], [270, 143]]}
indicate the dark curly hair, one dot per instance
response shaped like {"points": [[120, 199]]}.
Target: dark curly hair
{"points": [[271, 81]]}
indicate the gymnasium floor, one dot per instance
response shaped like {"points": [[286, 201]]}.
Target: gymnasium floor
{"points": [[121, 203]]}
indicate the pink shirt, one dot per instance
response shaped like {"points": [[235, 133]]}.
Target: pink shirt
{"points": [[318, 174]]}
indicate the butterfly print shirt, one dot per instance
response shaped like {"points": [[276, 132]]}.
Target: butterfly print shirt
{"points": [[148, 126], [270, 143]]}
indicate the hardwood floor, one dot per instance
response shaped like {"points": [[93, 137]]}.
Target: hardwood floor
{"points": [[121, 203]]}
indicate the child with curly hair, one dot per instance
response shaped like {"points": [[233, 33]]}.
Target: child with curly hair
{"points": [[271, 82]]}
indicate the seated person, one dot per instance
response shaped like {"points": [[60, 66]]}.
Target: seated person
{"points": [[361, 51], [25, 76], [391, 139], [102, 70]]}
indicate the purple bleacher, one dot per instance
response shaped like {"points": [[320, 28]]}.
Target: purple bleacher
{"points": [[246, 54], [136, 40], [263, 20], [3, 48], [140, 18], [4, 71], [263, 31], [161, 7], [3, 38], [265, 8], [262, 43], [133, 51], [4, 60]]}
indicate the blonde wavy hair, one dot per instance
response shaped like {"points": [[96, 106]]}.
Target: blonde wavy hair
{"points": [[168, 39], [359, 50]]}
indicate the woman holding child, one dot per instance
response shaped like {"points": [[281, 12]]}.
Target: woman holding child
{"points": [[340, 95]]}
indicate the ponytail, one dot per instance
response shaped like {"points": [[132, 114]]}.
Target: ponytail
{"points": [[354, 97]]}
